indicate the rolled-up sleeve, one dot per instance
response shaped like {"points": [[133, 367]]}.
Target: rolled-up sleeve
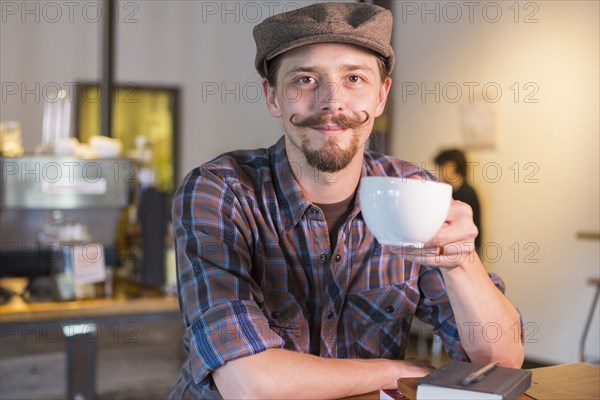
{"points": [[217, 294]]}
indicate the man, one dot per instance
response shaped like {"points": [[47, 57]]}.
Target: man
{"points": [[452, 166], [284, 292]]}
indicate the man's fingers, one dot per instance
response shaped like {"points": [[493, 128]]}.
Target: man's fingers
{"points": [[447, 255], [416, 251]]}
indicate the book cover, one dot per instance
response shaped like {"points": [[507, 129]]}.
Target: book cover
{"points": [[446, 383]]}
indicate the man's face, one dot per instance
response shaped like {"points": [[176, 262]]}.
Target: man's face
{"points": [[327, 96], [448, 172]]}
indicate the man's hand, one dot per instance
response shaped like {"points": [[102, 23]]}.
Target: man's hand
{"points": [[285, 374], [413, 367], [452, 245]]}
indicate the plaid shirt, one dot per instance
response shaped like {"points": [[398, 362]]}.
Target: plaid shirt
{"points": [[256, 271]]}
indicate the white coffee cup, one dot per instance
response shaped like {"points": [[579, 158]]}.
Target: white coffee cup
{"points": [[404, 212]]}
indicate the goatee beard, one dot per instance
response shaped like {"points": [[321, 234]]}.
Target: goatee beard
{"points": [[330, 158]]}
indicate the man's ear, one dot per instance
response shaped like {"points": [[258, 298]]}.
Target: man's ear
{"points": [[270, 93], [383, 95]]}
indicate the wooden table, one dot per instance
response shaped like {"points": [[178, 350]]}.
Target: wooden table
{"points": [[567, 381], [560, 382]]}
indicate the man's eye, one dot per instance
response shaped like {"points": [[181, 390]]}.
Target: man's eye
{"points": [[354, 78], [306, 80]]}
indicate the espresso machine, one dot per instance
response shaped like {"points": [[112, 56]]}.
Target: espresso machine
{"points": [[92, 192]]}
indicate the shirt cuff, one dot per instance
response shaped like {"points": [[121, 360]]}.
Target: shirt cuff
{"points": [[228, 331], [448, 332]]}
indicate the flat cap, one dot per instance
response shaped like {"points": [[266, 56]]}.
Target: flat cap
{"points": [[360, 24]]}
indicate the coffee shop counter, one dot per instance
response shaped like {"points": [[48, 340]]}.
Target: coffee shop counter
{"points": [[80, 349], [127, 302]]}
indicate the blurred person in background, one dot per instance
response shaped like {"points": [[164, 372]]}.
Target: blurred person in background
{"points": [[452, 165]]}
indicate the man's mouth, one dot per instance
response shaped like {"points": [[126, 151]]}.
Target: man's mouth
{"points": [[329, 129]]}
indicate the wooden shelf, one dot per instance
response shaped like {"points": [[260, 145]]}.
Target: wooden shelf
{"points": [[17, 310], [588, 235]]}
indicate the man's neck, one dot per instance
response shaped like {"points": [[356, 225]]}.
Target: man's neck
{"points": [[327, 187]]}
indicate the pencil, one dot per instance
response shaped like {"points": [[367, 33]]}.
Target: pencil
{"points": [[479, 374]]}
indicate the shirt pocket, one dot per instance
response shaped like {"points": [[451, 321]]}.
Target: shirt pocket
{"points": [[287, 319], [381, 319]]}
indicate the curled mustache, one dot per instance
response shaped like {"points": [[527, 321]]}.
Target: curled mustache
{"points": [[341, 120]]}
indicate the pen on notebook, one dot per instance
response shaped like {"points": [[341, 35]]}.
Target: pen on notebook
{"points": [[480, 373]]}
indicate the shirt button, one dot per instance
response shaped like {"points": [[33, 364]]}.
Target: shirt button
{"points": [[329, 315], [338, 257], [275, 314], [314, 211], [323, 256], [389, 309]]}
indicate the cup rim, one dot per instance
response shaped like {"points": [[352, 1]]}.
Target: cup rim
{"points": [[405, 180]]}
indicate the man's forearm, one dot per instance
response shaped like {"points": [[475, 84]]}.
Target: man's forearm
{"points": [[488, 323], [278, 373]]}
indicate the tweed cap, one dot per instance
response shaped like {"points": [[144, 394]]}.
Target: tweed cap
{"points": [[360, 24]]}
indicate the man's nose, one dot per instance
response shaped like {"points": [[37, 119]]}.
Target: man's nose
{"points": [[331, 97]]}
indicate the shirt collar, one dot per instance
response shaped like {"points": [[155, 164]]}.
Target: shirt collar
{"points": [[366, 171], [289, 194]]}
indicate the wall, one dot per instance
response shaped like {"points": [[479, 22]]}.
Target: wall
{"points": [[206, 48], [540, 184], [42, 50]]}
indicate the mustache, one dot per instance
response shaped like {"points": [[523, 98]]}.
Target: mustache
{"points": [[344, 121]]}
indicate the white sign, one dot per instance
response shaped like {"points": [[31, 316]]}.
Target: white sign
{"points": [[88, 263]]}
